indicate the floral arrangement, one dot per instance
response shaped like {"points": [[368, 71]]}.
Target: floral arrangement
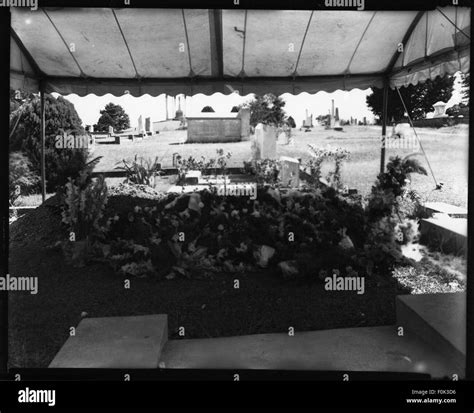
{"points": [[318, 156]]}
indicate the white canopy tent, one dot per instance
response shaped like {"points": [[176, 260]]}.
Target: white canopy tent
{"points": [[175, 51]]}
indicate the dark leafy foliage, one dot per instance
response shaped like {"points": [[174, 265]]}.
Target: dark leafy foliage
{"points": [[21, 179], [419, 98], [267, 109], [141, 171], [60, 115], [390, 185], [112, 115]]}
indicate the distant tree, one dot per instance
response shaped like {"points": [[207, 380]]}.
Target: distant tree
{"points": [[267, 109], [291, 122], [113, 115], [207, 109], [466, 87], [419, 98], [458, 109], [323, 119]]}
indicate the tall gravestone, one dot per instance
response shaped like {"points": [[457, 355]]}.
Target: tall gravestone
{"points": [[147, 125], [337, 122], [440, 110], [111, 130], [244, 116], [265, 141], [140, 125]]}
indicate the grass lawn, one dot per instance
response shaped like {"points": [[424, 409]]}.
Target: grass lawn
{"points": [[446, 148]]}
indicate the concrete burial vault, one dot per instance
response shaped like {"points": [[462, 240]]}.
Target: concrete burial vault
{"points": [[432, 342]]}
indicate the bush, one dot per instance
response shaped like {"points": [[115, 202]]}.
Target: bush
{"points": [[318, 156], [141, 171], [390, 185], [191, 164], [266, 171], [83, 201], [60, 115], [21, 178]]}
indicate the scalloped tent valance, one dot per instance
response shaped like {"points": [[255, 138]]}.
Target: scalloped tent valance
{"points": [[155, 51]]}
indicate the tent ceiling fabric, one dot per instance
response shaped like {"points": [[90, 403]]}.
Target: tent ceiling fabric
{"points": [[173, 51]]}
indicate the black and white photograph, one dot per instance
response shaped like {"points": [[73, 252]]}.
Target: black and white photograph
{"points": [[238, 189]]}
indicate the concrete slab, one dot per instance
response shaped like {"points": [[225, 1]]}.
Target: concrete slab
{"points": [[449, 234], [21, 210], [115, 342], [441, 207], [351, 349], [438, 319]]}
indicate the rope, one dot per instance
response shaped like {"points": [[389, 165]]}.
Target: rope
{"points": [[454, 24], [438, 186], [302, 43]]}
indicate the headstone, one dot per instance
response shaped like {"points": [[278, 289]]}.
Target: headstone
{"points": [[290, 172], [337, 122], [244, 116], [265, 140], [440, 108], [111, 130], [147, 124], [140, 125], [308, 120], [365, 121], [352, 120], [192, 177]]}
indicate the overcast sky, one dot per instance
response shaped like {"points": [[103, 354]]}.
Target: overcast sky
{"points": [[350, 103]]}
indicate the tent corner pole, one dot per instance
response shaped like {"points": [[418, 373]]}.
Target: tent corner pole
{"points": [[384, 124], [43, 143]]}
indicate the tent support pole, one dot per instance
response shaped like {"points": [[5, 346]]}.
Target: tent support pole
{"points": [[43, 145], [384, 124]]}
